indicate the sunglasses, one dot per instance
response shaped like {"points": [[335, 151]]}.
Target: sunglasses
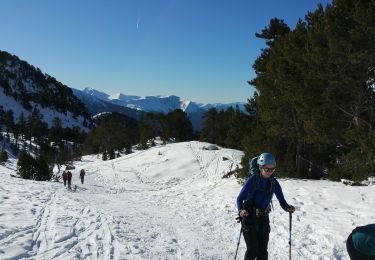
{"points": [[268, 169]]}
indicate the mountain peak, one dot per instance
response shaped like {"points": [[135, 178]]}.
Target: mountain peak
{"points": [[123, 97], [96, 93]]}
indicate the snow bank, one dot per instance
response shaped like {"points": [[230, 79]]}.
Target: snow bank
{"points": [[168, 202]]}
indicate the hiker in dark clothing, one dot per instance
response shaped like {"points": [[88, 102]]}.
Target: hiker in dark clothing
{"points": [[361, 243], [69, 179], [253, 205], [82, 175], [65, 177]]}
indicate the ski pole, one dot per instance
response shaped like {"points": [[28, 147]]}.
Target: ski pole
{"points": [[290, 235], [238, 242]]}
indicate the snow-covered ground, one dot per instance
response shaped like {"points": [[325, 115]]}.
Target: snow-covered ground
{"points": [[168, 202]]}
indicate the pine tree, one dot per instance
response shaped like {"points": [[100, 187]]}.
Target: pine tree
{"points": [[64, 155], [350, 32], [3, 156], [9, 121], [239, 126], [315, 100], [110, 134], [25, 166], [104, 156], [111, 154], [22, 125], [180, 127], [56, 131], [276, 119], [209, 126], [2, 118], [44, 173]]}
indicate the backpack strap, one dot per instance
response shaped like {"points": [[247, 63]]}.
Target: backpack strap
{"points": [[250, 198], [255, 187]]}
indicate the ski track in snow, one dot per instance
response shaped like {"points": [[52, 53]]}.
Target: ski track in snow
{"points": [[168, 202]]}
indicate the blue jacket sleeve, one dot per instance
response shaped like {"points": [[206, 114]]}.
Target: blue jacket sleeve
{"points": [[243, 193], [280, 196]]}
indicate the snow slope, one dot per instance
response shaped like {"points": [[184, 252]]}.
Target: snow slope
{"points": [[48, 114], [168, 202]]}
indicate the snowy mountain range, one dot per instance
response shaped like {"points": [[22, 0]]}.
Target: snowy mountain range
{"points": [[163, 104], [96, 105], [98, 102], [24, 89]]}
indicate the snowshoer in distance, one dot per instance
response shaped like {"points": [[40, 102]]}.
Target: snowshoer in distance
{"points": [[82, 175], [361, 243], [69, 179], [253, 203], [65, 177]]}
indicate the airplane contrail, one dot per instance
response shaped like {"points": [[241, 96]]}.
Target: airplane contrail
{"points": [[138, 21]]}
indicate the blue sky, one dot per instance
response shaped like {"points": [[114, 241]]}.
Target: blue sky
{"points": [[201, 50]]}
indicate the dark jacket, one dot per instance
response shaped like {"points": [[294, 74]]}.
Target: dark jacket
{"points": [[65, 175], [69, 176], [263, 196], [364, 239]]}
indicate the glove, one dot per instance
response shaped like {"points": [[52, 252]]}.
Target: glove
{"points": [[291, 209]]}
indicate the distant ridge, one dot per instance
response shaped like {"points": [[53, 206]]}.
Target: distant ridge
{"points": [[98, 101]]}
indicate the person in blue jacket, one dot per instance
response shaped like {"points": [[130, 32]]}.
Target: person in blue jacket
{"points": [[253, 203], [361, 243]]}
